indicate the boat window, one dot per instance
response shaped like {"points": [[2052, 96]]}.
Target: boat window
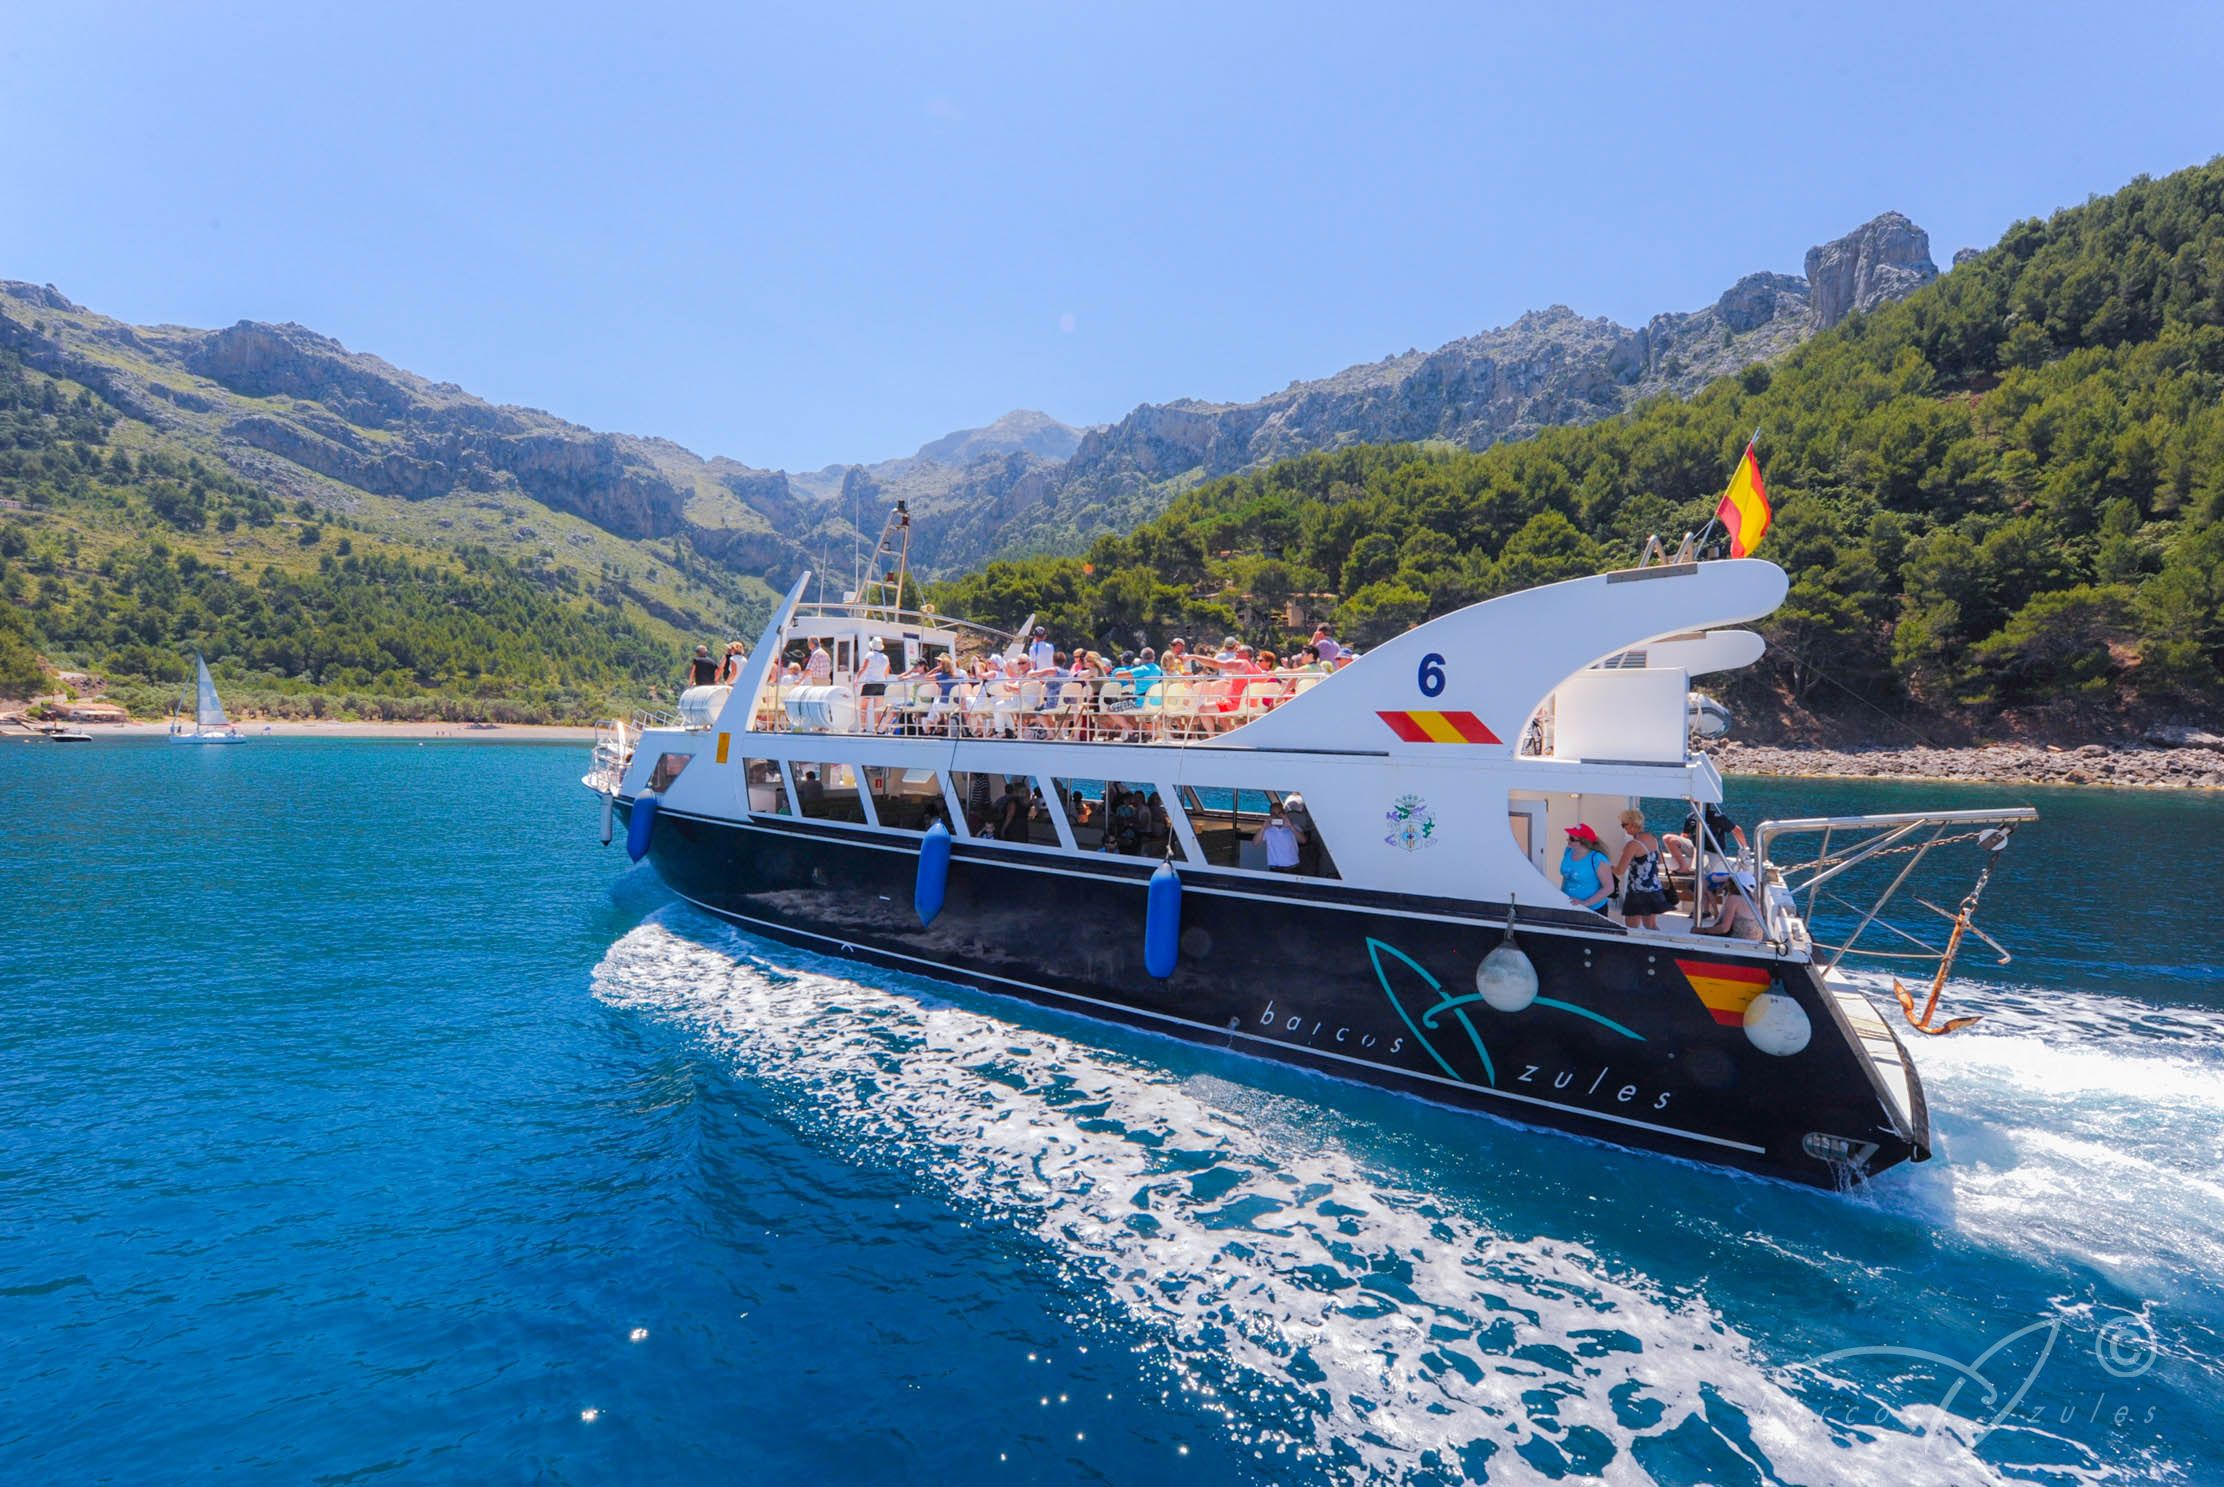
{"points": [[826, 792], [1227, 824], [668, 767], [1001, 807], [768, 792], [1118, 816], [906, 799]]}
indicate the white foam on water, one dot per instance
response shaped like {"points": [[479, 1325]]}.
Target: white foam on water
{"points": [[2075, 1127], [1369, 1327]]}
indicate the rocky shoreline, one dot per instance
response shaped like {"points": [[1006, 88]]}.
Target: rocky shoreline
{"points": [[2183, 766]]}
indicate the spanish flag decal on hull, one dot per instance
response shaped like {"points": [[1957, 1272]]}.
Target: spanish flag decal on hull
{"points": [[1432, 727], [1726, 989]]}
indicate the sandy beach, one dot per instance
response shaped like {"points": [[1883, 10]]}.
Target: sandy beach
{"points": [[395, 732]]}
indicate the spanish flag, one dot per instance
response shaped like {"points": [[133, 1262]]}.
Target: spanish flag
{"points": [[1744, 510]]}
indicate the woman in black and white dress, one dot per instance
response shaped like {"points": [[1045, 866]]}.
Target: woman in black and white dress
{"points": [[1644, 896]]}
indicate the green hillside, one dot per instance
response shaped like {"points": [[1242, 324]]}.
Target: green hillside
{"points": [[2001, 500], [118, 551]]}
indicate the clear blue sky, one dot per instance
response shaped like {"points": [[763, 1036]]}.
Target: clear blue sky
{"points": [[796, 236]]}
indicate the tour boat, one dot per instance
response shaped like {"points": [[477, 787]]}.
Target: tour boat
{"points": [[1423, 941], [210, 726]]}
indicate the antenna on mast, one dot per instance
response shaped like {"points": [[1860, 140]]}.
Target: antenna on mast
{"points": [[883, 587]]}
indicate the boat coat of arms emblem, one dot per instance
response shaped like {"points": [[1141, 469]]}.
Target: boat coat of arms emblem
{"points": [[1411, 825]]}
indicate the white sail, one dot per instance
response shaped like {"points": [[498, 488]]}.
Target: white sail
{"points": [[208, 710]]}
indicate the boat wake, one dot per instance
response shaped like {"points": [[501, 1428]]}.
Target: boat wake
{"points": [[1333, 1317], [2076, 1127]]}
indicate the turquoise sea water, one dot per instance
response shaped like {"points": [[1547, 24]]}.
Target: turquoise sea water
{"points": [[366, 1121]]}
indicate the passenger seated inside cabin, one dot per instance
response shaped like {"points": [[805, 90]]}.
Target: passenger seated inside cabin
{"points": [[1308, 835], [1279, 840], [1731, 914], [1012, 810], [810, 791], [1586, 875], [1126, 819], [702, 671], [980, 805]]}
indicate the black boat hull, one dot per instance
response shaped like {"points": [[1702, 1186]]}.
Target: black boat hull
{"points": [[1619, 1046]]}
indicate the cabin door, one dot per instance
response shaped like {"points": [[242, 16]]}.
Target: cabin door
{"points": [[1526, 817]]}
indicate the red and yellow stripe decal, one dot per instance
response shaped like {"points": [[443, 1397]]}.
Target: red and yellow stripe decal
{"points": [[1453, 728], [1726, 989]]}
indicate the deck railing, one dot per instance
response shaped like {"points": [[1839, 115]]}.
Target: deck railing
{"points": [[1173, 709]]}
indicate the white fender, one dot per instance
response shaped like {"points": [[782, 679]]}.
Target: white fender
{"points": [[1776, 1024], [1507, 978]]}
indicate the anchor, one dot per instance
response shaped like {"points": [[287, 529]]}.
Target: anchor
{"points": [[1993, 842], [1922, 1024]]}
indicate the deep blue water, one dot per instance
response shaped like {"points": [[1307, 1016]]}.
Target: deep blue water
{"points": [[365, 1121]]}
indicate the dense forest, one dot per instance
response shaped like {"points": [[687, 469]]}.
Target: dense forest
{"points": [[130, 581], [2000, 500]]}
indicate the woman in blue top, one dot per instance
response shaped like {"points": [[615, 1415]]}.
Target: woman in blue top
{"points": [[1586, 875]]}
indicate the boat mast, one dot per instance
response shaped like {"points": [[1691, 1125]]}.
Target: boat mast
{"points": [[882, 594]]}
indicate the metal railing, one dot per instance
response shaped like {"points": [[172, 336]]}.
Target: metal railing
{"points": [[607, 766], [1119, 709], [1894, 834]]}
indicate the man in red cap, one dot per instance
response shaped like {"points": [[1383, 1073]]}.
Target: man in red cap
{"points": [[1586, 874]]}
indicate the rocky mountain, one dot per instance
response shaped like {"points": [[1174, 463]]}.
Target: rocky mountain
{"points": [[309, 419], [301, 414], [1550, 366], [1885, 259]]}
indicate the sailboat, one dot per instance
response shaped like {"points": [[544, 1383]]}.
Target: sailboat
{"points": [[210, 726]]}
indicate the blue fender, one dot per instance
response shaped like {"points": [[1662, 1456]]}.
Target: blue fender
{"points": [[1162, 922], [640, 824], [934, 872]]}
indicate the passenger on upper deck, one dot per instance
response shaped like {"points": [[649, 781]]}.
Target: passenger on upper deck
{"points": [[1324, 644], [1237, 665], [729, 670], [818, 667], [702, 671], [872, 685], [1040, 654]]}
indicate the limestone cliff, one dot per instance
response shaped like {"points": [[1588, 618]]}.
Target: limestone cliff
{"points": [[1883, 259], [1550, 366]]}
